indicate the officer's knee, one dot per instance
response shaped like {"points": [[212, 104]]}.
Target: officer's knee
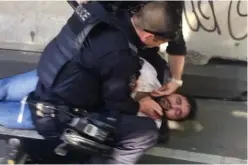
{"points": [[143, 136], [148, 136]]}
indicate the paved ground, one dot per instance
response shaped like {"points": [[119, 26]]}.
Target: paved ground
{"points": [[219, 135]]}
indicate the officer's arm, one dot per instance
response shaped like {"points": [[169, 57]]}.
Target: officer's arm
{"points": [[177, 46], [177, 51], [119, 73]]}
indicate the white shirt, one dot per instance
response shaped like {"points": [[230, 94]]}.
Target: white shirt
{"points": [[147, 82]]}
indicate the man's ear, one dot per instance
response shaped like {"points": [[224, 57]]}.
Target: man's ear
{"points": [[148, 37]]}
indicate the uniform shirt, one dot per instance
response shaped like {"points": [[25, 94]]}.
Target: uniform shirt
{"points": [[101, 76]]}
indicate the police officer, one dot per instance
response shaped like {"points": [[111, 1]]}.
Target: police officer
{"points": [[99, 74], [176, 48]]}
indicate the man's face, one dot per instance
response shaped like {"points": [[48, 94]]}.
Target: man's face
{"points": [[176, 106]]}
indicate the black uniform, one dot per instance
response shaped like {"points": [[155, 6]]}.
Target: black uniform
{"points": [[101, 76]]}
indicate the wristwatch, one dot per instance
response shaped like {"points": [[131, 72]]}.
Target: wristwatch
{"points": [[179, 82]]}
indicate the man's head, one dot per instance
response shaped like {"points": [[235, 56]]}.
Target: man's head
{"points": [[178, 107], [156, 23]]}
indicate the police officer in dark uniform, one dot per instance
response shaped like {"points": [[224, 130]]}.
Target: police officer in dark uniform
{"points": [[171, 76], [94, 68], [176, 48]]}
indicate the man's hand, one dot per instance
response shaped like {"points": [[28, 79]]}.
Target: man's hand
{"points": [[166, 89], [150, 108]]}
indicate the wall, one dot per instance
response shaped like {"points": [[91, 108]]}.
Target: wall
{"points": [[211, 28]]}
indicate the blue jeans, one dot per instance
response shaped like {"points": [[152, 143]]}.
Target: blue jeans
{"points": [[12, 91]]}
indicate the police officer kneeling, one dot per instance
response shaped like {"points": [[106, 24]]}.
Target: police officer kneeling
{"points": [[91, 67]]}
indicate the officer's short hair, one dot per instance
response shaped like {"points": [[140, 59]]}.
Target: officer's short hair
{"points": [[159, 16]]}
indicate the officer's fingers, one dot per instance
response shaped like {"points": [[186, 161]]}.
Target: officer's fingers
{"points": [[153, 115], [157, 116], [154, 93], [157, 108], [157, 93], [164, 87], [168, 91]]}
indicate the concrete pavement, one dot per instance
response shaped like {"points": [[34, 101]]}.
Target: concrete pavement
{"points": [[218, 136]]}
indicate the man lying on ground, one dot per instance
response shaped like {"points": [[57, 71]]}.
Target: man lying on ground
{"points": [[14, 89]]}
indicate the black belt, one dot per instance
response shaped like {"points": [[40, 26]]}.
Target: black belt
{"points": [[71, 134], [61, 113], [48, 108]]}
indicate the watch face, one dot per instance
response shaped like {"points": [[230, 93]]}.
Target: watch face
{"points": [[179, 82]]}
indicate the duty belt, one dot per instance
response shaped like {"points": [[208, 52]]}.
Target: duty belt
{"points": [[44, 109], [83, 132]]}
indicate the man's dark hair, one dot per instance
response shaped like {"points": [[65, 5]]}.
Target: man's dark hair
{"points": [[193, 108]]}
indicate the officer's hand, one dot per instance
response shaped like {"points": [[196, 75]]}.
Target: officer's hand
{"points": [[150, 108], [166, 89]]}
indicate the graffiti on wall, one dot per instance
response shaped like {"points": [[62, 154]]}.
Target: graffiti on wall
{"points": [[200, 16]]}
